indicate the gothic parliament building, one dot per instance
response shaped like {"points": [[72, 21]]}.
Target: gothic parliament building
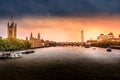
{"points": [[12, 29], [12, 33], [35, 42]]}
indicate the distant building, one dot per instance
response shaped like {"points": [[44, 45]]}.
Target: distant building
{"points": [[46, 43], [114, 39], [12, 29], [35, 42], [82, 36], [110, 35], [91, 41], [119, 36], [27, 38], [105, 37], [102, 37]]}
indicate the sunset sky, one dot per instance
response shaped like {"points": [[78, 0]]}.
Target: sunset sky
{"points": [[61, 20]]}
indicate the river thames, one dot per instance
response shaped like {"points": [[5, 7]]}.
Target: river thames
{"points": [[63, 63]]}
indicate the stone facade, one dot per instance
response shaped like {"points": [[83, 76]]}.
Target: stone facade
{"points": [[105, 37], [91, 41], [12, 30], [35, 42]]}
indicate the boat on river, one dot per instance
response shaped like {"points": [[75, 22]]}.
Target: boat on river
{"points": [[9, 55], [15, 55], [5, 55], [109, 49], [28, 52]]}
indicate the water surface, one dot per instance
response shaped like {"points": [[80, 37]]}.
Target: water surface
{"points": [[60, 63]]}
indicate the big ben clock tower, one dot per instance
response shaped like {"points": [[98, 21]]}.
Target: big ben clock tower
{"points": [[12, 29]]}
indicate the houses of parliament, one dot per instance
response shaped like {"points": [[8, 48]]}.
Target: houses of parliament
{"points": [[12, 29], [35, 42]]}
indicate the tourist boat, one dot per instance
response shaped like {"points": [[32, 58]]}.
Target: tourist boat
{"points": [[109, 49], [4, 55], [9, 55], [28, 52], [15, 55]]}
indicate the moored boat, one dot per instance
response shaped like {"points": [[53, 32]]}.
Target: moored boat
{"points": [[9, 55], [5, 55], [15, 55]]}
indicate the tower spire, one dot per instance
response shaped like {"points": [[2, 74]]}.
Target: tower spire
{"points": [[39, 36], [82, 36], [26, 38], [12, 29], [31, 36]]}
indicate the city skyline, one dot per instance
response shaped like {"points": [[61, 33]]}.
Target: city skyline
{"points": [[64, 28], [59, 39], [61, 20]]}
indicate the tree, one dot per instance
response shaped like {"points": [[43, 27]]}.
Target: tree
{"points": [[13, 44]]}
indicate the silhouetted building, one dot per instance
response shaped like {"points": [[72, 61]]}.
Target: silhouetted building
{"points": [[12, 29]]}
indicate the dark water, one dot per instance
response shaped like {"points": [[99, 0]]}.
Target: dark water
{"points": [[63, 63]]}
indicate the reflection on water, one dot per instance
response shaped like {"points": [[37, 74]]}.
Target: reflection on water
{"points": [[63, 63], [72, 53]]}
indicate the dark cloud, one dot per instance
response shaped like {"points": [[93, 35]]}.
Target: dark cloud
{"points": [[58, 7]]}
